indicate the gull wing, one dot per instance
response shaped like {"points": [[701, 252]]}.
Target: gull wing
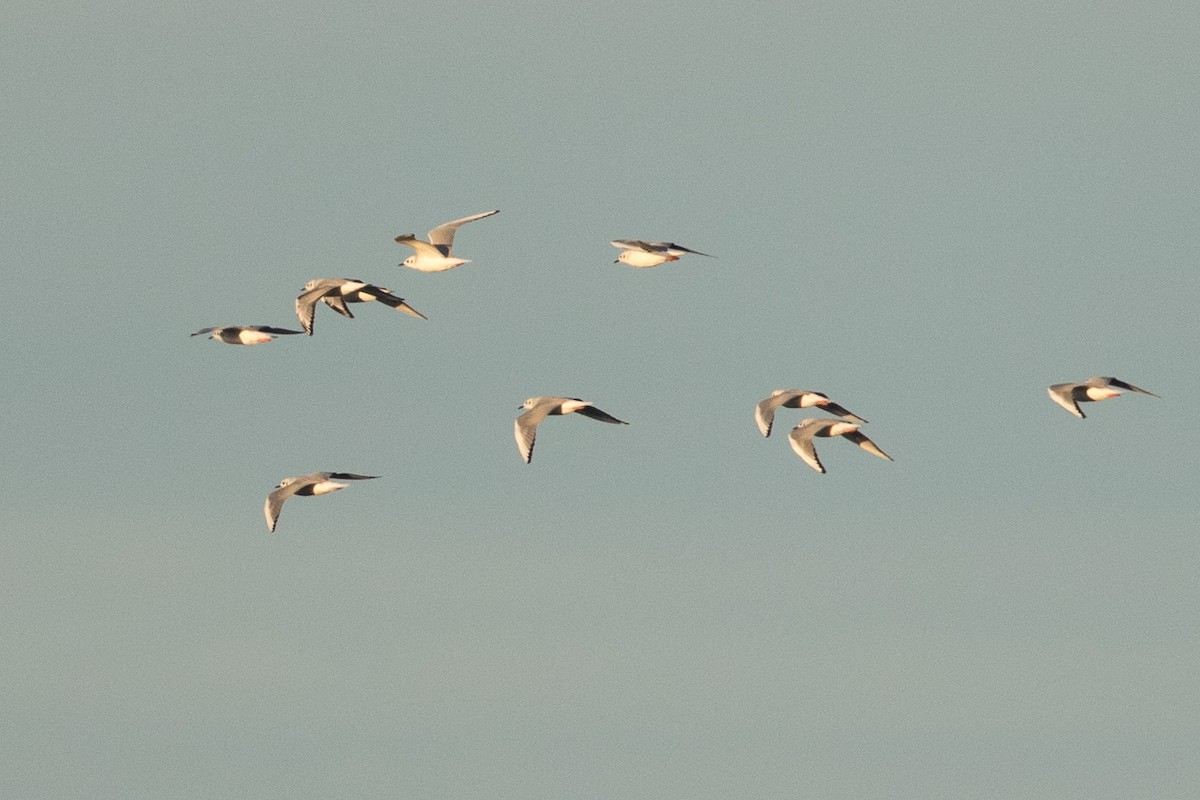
{"points": [[525, 429], [306, 305], [866, 444], [348, 476], [1120, 384], [764, 412], [801, 441], [443, 235], [274, 502], [677, 249], [422, 248], [269, 329], [1064, 395], [592, 412], [834, 408], [392, 301], [204, 330], [338, 304]]}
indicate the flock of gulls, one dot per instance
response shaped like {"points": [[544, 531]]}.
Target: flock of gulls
{"points": [[435, 255]]}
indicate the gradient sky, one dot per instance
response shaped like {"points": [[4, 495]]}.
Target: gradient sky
{"points": [[928, 210]]}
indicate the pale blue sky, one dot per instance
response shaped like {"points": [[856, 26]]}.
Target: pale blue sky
{"points": [[929, 211]]}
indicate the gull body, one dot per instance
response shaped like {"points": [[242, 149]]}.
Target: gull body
{"points": [[434, 255], [244, 334], [337, 292], [801, 439], [1070, 395], [640, 254], [314, 483], [538, 408], [764, 412]]}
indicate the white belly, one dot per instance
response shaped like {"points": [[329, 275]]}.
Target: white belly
{"points": [[253, 337], [640, 258]]}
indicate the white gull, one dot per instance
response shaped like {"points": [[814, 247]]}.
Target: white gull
{"points": [[336, 292], [245, 334], [764, 412], [637, 253], [1070, 395], [434, 255], [538, 408], [801, 439], [305, 486]]}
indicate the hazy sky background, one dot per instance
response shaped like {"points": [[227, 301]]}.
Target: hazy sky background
{"points": [[928, 210]]}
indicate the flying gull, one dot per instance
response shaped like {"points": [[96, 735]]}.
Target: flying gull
{"points": [[637, 253], [764, 412], [538, 408], [245, 334], [1070, 395], [434, 255], [802, 435], [336, 292], [306, 486]]}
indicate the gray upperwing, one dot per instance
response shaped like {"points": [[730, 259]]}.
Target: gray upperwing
{"points": [[866, 444], [764, 413], [525, 433], [391, 301], [306, 306], [274, 502], [420, 246], [275, 331], [350, 476], [673, 246], [442, 237], [338, 304], [834, 408], [1120, 384], [594, 413], [802, 444]]}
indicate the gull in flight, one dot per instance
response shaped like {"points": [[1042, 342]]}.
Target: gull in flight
{"points": [[244, 334], [764, 412], [538, 408], [336, 292], [802, 435], [637, 253], [306, 486], [434, 255], [1070, 395]]}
